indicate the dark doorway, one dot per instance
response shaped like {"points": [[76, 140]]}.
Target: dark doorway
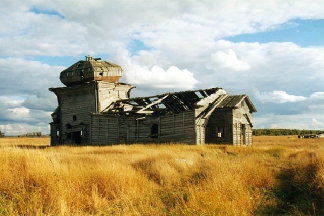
{"points": [[243, 134], [155, 131], [77, 137]]}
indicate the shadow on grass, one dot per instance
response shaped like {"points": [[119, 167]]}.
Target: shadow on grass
{"points": [[299, 191], [28, 146]]}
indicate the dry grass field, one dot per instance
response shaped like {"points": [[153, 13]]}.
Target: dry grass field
{"points": [[277, 176]]}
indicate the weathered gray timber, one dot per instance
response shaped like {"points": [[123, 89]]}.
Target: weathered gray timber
{"points": [[99, 111], [231, 121], [72, 117], [171, 127], [89, 70]]}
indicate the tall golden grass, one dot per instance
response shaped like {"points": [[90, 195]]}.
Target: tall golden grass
{"points": [[277, 176]]}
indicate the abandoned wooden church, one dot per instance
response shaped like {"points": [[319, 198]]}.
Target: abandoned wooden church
{"points": [[94, 108]]}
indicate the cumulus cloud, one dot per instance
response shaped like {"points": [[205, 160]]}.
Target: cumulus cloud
{"points": [[155, 76], [228, 60], [100, 26], [12, 110], [278, 97], [23, 77], [187, 49], [15, 118], [38, 103], [10, 129]]}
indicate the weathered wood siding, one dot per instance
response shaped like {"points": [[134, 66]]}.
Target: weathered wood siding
{"points": [[219, 127], [75, 105], [178, 127], [55, 131], [110, 92], [230, 126], [106, 129], [242, 128], [77, 102]]}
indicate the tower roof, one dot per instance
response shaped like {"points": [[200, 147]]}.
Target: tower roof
{"points": [[89, 70]]}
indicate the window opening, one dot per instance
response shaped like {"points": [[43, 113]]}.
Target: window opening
{"points": [[220, 131], [155, 131]]}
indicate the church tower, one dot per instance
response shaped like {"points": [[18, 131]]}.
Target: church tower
{"points": [[90, 87]]}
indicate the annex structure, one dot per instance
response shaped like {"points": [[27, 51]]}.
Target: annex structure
{"points": [[94, 108]]}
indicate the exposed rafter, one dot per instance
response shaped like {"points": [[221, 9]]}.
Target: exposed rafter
{"points": [[168, 102]]}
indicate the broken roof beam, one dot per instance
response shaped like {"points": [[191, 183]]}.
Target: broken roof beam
{"points": [[180, 102], [203, 93], [140, 101], [148, 101], [144, 109], [211, 91], [193, 96], [171, 105], [182, 106], [188, 100], [176, 102]]}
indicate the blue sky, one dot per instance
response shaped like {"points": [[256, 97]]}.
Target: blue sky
{"points": [[301, 32], [271, 50]]}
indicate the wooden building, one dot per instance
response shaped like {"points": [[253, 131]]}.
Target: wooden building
{"points": [[94, 108]]}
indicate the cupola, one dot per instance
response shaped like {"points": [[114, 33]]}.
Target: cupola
{"points": [[92, 69]]}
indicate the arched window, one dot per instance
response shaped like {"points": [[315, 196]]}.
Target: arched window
{"points": [[155, 131]]}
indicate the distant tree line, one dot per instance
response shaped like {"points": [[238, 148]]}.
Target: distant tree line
{"points": [[283, 132]]}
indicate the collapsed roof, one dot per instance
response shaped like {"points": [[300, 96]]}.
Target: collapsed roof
{"points": [[176, 102]]}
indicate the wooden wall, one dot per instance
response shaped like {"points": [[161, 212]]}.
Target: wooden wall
{"points": [[219, 127], [75, 105], [80, 108], [230, 126], [242, 128], [110, 92], [77, 102], [106, 129]]}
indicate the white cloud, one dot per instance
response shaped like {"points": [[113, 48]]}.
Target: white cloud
{"points": [[11, 102], [156, 76], [228, 60], [299, 121], [14, 129], [316, 122], [20, 112], [22, 77], [101, 26], [10, 129], [183, 36], [47, 103], [317, 96], [278, 97]]}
